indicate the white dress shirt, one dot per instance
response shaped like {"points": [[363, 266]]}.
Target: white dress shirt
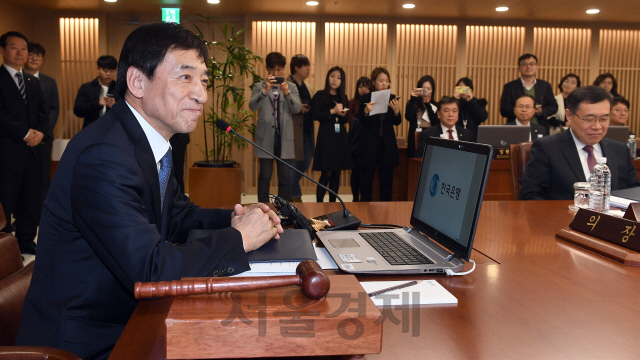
{"points": [[445, 132], [159, 145], [529, 87], [597, 153]]}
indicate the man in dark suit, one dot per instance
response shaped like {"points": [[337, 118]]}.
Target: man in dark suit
{"points": [[23, 127], [115, 214], [97, 97], [448, 111], [179, 144], [51, 98], [524, 110], [557, 162], [540, 90]]}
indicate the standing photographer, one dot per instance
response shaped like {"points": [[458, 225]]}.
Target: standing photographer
{"points": [[473, 111]]}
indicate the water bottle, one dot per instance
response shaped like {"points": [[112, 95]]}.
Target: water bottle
{"points": [[632, 145], [600, 186]]}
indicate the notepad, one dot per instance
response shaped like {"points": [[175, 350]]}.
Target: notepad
{"points": [[428, 292]]}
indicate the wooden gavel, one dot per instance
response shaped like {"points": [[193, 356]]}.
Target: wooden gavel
{"points": [[313, 282]]}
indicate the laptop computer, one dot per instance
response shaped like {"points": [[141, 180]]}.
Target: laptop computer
{"points": [[618, 133], [501, 136], [444, 218]]}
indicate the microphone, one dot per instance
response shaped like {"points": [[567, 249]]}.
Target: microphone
{"points": [[339, 220]]}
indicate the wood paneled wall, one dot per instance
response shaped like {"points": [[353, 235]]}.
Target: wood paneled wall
{"points": [[620, 55], [78, 50], [561, 51], [424, 50], [492, 56]]}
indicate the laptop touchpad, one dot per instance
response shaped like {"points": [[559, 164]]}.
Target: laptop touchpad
{"points": [[344, 243]]}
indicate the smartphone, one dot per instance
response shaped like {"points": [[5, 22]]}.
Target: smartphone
{"points": [[279, 79], [345, 109], [462, 89], [109, 95]]}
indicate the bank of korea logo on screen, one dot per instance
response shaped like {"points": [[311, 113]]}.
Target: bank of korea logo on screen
{"points": [[433, 187]]}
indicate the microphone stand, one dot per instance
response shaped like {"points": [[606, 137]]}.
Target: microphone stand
{"points": [[340, 220]]}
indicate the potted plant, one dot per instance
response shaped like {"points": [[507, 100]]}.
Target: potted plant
{"points": [[229, 64]]}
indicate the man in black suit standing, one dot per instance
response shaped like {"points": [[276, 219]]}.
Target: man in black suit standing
{"points": [[540, 90], [557, 162], [524, 110], [448, 111], [115, 214], [51, 98], [97, 97], [23, 127]]}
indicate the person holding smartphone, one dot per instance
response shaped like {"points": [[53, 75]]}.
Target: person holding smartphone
{"points": [[332, 155], [473, 111], [378, 145], [420, 111], [276, 101], [97, 97]]}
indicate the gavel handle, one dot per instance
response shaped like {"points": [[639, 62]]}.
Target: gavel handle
{"points": [[211, 285]]}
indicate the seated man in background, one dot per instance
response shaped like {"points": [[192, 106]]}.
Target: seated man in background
{"points": [[97, 97], [557, 162], [448, 111], [116, 216], [525, 110]]}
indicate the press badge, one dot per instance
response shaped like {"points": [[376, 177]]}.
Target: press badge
{"points": [[337, 128]]}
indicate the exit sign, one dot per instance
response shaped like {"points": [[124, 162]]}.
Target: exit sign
{"points": [[171, 15]]}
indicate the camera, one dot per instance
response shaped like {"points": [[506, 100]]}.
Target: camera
{"points": [[462, 89]]}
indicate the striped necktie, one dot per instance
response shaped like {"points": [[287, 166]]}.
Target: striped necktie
{"points": [[23, 91]]}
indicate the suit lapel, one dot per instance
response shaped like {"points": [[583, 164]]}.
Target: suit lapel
{"points": [[143, 153], [569, 151], [6, 78]]}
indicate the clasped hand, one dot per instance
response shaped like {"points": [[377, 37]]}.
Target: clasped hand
{"points": [[257, 223], [34, 138]]}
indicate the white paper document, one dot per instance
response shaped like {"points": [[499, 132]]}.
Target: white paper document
{"points": [[428, 292], [380, 101]]}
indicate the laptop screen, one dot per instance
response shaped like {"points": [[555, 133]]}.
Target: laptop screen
{"points": [[450, 191]]}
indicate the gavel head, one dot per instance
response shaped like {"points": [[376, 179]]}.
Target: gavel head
{"points": [[314, 283]]}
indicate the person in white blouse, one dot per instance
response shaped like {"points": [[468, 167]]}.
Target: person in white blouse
{"points": [[567, 85]]}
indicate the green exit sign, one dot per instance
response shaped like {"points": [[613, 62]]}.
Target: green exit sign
{"points": [[171, 15]]}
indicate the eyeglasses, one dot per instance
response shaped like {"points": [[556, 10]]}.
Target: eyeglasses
{"points": [[525, 64], [528, 107], [591, 120], [35, 56]]}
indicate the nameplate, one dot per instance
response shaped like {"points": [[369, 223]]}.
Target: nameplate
{"points": [[502, 153], [618, 231]]}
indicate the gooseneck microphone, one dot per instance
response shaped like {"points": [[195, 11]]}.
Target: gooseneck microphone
{"points": [[339, 220]]}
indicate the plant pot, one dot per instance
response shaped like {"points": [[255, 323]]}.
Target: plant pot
{"points": [[214, 164], [215, 187]]}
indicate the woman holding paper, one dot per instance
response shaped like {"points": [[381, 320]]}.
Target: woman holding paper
{"points": [[420, 111], [329, 108], [378, 146]]}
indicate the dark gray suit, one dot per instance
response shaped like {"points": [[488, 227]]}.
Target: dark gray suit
{"points": [[554, 166]]}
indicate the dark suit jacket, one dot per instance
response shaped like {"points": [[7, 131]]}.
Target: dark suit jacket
{"points": [[51, 98], [102, 230], [16, 117], [544, 95], [554, 166], [436, 131], [371, 130], [87, 101], [535, 130]]}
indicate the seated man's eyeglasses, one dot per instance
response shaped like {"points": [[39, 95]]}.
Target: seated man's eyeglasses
{"points": [[593, 119]]}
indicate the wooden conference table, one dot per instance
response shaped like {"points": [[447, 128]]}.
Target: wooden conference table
{"points": [[531, 296]]}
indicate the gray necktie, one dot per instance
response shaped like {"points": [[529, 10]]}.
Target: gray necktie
{"points": [[163, 175]]}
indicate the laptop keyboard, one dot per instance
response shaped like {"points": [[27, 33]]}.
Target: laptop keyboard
{"points": [[395, 250]]}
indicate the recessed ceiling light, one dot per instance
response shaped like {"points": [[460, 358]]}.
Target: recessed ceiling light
{"points": [[213, 1], [502, 8], [593, 11], [408, 6], [312, 3], [110, 0]]}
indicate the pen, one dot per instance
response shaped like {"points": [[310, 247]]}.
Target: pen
{"points": [[389, 289]]}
